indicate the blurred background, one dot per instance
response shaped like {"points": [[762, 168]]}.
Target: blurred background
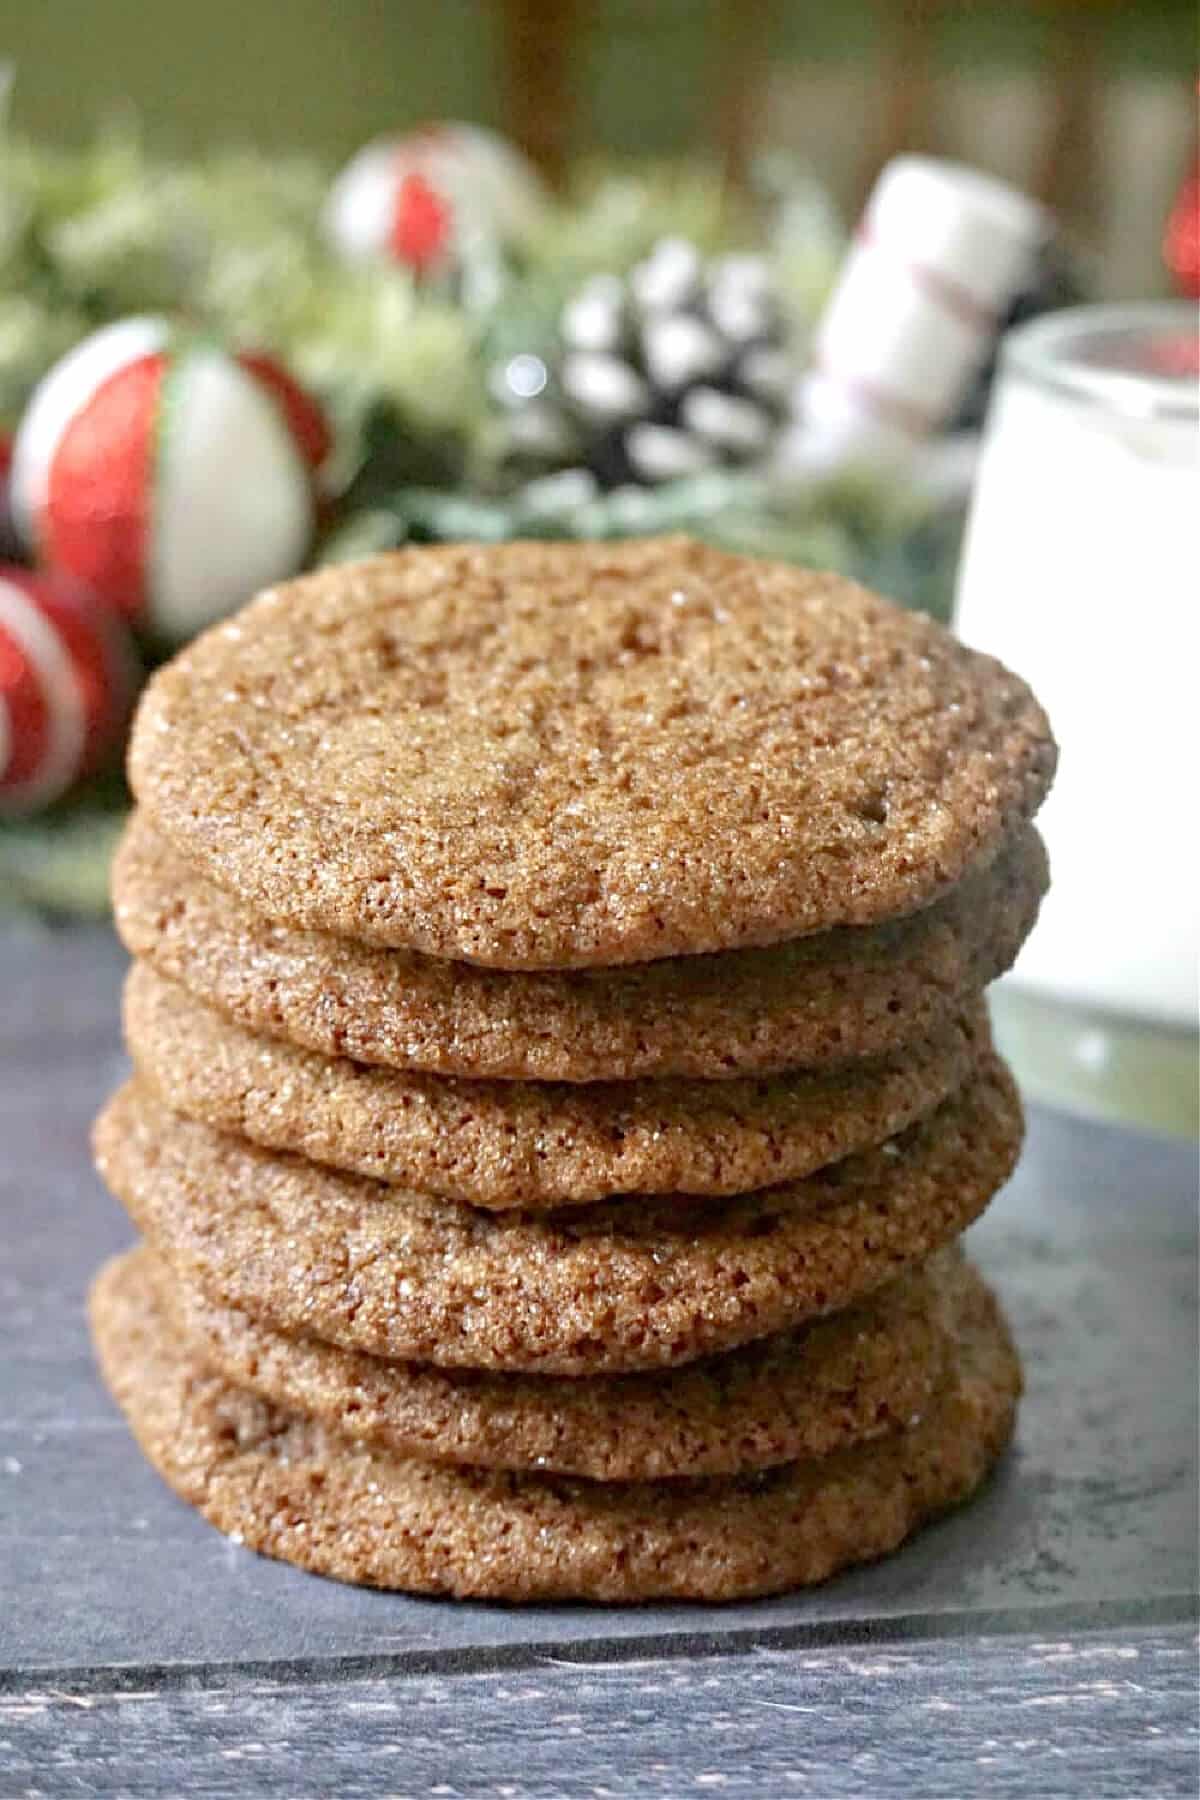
{"points": [[757, 269], [1088, 103]]}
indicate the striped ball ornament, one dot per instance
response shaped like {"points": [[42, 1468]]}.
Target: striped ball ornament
{"points": [[68, 675], [432, 198], [170, 476]]}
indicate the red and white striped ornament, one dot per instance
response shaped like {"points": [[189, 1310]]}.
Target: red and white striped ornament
{"points": [[940, 254], [68, 675], [427, 200], [169, 475]]}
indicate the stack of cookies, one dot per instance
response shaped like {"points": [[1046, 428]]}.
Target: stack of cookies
{"points": [[561, 1073]]}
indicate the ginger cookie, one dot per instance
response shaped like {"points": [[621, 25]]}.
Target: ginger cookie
{"points": [[291, 1488], [809, 1392], [862, 991], [501, 1144], [617, 1286], [562, 755]]}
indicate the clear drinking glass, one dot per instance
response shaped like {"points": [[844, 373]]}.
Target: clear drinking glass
{"points": [[1080, 571]]}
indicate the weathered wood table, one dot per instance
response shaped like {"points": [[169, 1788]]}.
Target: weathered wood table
{"points": [[1040, 1643]]}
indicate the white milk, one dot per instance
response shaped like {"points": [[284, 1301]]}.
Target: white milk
{"points": [[1080, 572]]}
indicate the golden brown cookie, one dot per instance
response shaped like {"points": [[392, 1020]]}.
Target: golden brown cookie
{"points": [[839, 1381], [819, 1000], [501, 1144], [557, 755], [629, 1284], [291, 1488]]}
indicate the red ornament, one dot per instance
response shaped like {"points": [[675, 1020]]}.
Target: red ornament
{"points": [[1181, 246], [1181, 239], [95, 519], [68, 675], [421, 225]]}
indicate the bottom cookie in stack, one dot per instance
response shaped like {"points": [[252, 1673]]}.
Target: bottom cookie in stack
{"points": [[346, 1502], [643, 1399]]}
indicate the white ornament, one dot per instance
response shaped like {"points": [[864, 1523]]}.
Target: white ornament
{"points": [[428, 199]]}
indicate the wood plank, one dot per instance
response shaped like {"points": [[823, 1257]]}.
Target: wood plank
{"points": [[1092, 1715]]}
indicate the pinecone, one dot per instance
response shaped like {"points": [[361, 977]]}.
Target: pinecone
{"points": [[675, 369]]}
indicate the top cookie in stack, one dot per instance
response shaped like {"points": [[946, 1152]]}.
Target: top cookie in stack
{"points": [[550, 757], [470, 885]]}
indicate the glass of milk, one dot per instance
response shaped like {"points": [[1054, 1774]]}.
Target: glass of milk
{"points": [[1081, 570]]}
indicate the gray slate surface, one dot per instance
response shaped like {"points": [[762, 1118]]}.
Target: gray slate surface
{"points": [[162, 1641]]}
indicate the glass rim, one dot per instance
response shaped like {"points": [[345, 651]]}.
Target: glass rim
{"points": [[1039, 351]]}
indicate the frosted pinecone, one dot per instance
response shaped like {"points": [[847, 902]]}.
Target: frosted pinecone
{"points": [[676, 369]]}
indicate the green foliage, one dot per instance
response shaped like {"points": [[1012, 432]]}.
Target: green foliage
{"points": [[889, 538], [57, 864], [612, 216]]}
